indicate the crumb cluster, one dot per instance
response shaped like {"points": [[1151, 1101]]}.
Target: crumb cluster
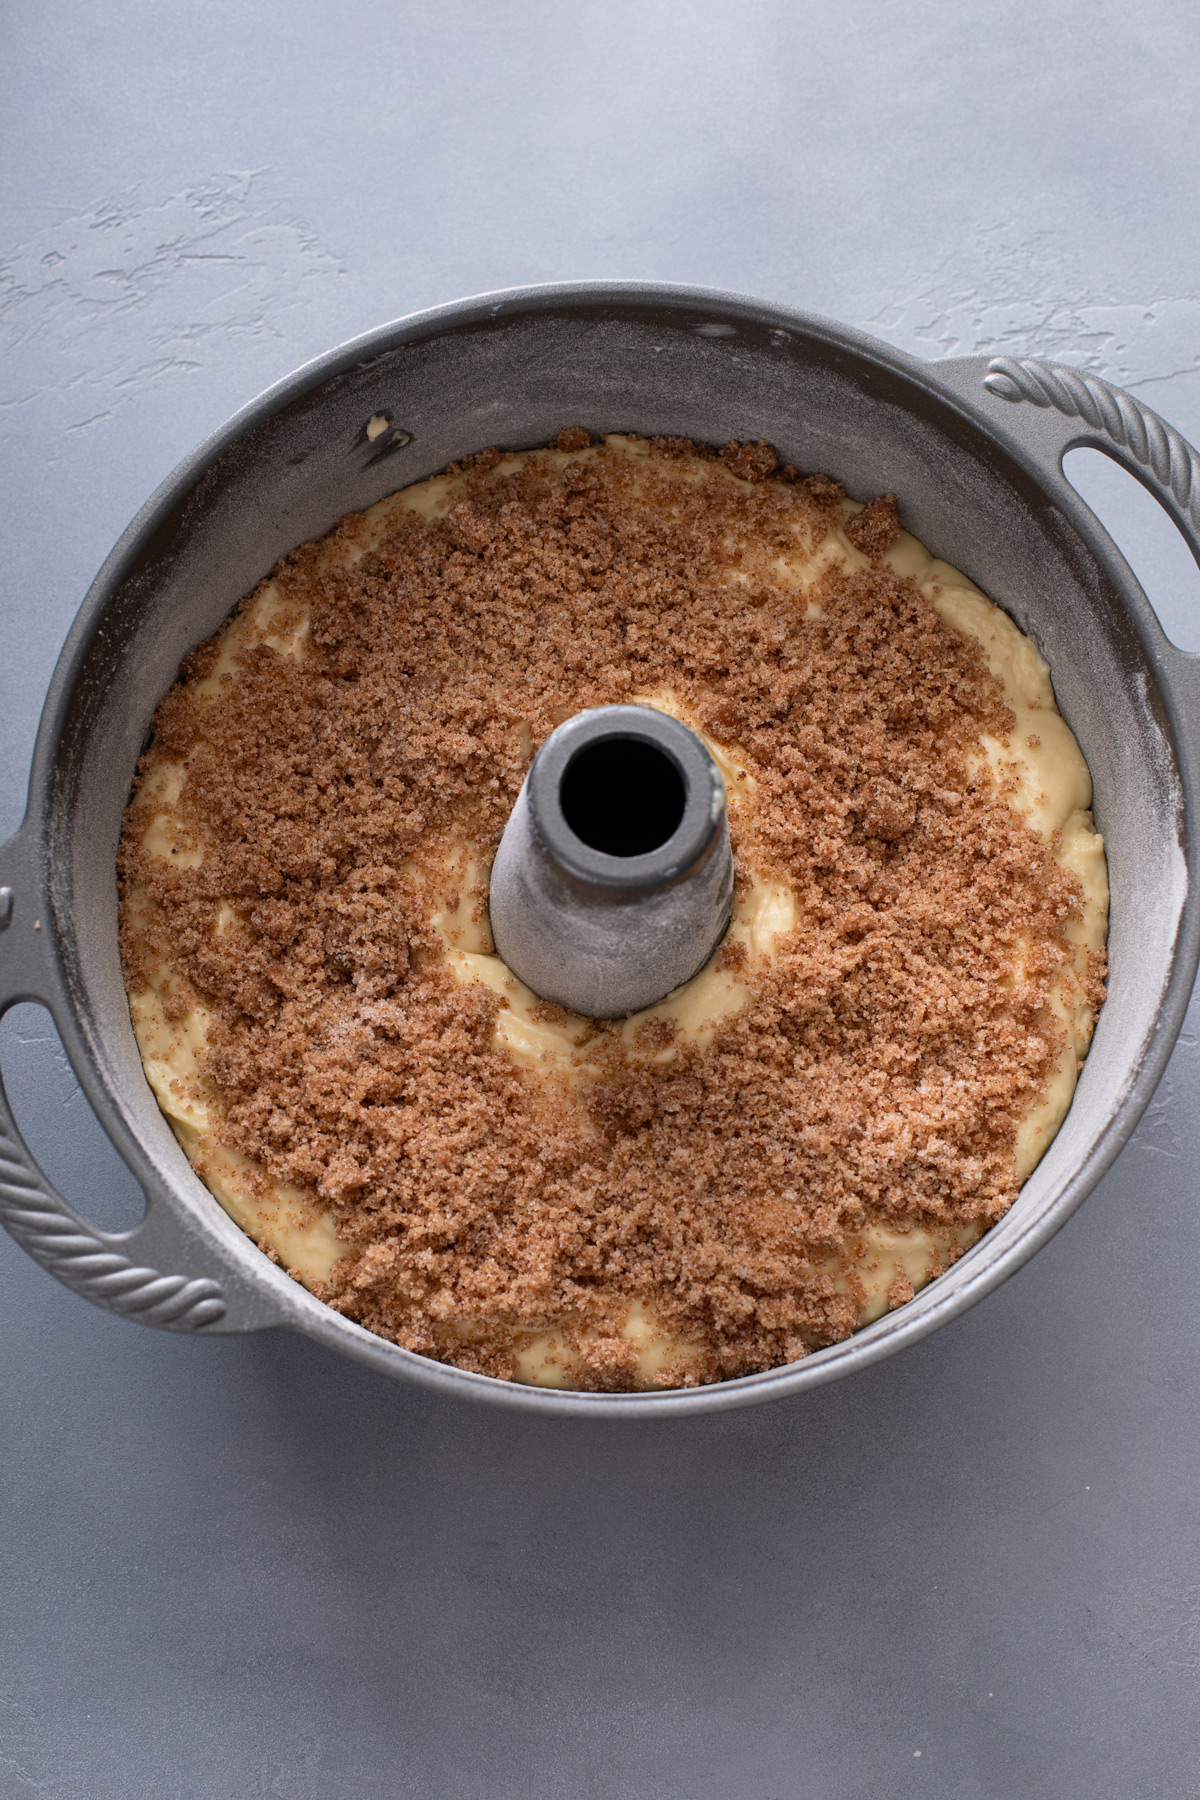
{"points": [[885, 1057]]}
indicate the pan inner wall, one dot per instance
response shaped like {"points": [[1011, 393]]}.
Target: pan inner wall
{"points": [[517, 382]]}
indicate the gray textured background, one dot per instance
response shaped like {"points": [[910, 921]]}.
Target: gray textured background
{"points": [[247, 1568]]}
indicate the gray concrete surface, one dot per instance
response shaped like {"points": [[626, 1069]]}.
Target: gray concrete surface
{"points": [[247, 1568]]}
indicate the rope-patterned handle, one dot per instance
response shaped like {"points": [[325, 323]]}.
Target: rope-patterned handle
{"points": [[1150, 441], [69, 1249], [37, 1216]]}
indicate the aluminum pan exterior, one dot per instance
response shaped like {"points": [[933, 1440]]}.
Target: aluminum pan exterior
{"points": [[1025, 448]]}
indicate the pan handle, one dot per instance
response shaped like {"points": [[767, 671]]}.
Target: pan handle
{"points": [[1117, 423], [114, 1271], [1093, 414]]}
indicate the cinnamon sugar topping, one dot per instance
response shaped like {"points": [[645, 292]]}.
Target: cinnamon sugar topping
{"points": [[874, 528], [876, 1074]]}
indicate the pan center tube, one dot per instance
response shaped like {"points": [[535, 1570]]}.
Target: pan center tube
{"points": [[613, 883]]}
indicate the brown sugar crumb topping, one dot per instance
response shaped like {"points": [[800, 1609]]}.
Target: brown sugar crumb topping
{"points": [[884, 1058], [874, 528], [753, 462]]}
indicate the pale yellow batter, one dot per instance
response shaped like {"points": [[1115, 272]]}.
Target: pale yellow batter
{"points": [[1040, 769]]}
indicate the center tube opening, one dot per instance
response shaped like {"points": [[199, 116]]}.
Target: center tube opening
{"points": [[622, 796]]}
